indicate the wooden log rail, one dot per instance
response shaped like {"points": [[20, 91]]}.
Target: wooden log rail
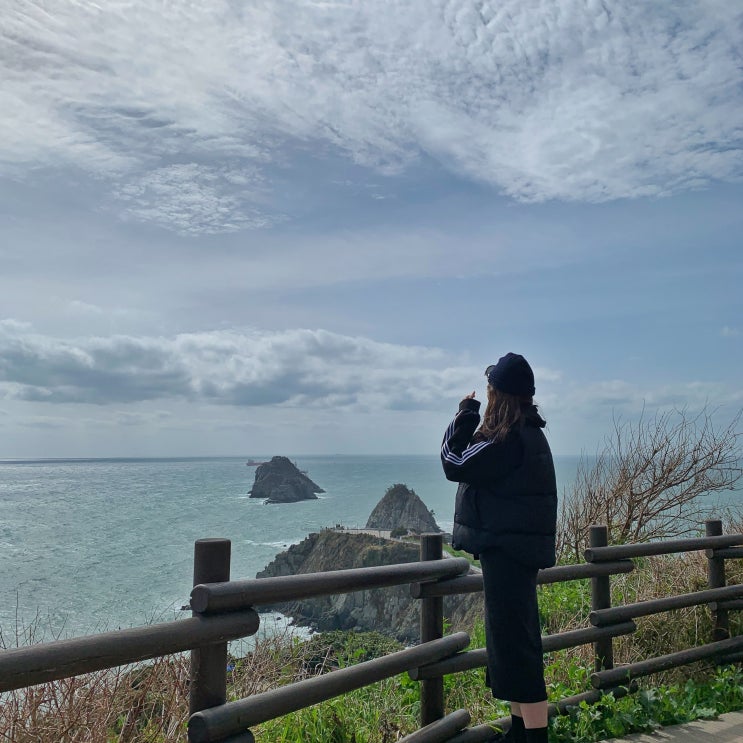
{"points": [[36, 664], [550, 643], [666, 547], [441, 730], [615, 676], [242, 594], [432, 628], [218, 723], [606, 617], [473, 583], [718, 597], [726, 553], [224, 610]]}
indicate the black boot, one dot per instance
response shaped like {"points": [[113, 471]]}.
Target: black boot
{"points": [[516, 732], [536, 735]]}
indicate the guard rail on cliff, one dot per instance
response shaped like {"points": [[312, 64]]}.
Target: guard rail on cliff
{"points": [[224, 610]]}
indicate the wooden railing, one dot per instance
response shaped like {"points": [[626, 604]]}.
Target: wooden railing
{"points": [[225, 610]]}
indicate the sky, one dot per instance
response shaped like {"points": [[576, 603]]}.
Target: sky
{"points": [[306, 227]]}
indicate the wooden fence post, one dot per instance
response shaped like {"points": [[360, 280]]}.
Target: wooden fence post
{"points": [[209, 663], [601, 599], [716, 579], [432, 628]]}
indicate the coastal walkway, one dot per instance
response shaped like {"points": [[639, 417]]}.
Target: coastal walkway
{"points": [[725, 729], [381, 533]]}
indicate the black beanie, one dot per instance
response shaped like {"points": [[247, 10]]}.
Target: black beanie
{"points": [[512, 375]]}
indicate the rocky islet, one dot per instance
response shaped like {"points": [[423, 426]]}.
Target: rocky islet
{"points": [[281, 481]]}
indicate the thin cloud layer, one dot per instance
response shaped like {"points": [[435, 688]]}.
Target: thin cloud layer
{"points": [[295, 369], [290, 368], [193, 199], [187, 111]]}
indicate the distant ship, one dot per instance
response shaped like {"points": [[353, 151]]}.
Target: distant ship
{"points": [[253, 463]]}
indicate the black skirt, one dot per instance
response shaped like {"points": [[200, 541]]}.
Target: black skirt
{"points": [[514, 641]]}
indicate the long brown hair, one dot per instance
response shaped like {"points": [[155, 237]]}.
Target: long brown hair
{"points": [[502, 413]]}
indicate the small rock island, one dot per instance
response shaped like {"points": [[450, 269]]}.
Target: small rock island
{"points": [[281, 481], [402, 510]]}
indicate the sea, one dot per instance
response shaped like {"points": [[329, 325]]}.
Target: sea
{"points": [[91, 545]]}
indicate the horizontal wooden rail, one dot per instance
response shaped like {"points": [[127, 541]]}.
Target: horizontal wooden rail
{"points": [[562, 573], [473, 583], [550, 643], [484, 733], [562, 707], [217, 723], [441, 730], [241, 594], [727, 659], [726, 552], [603, 617], [730, 605], [50, 661], [623, 674], [666, 547]]}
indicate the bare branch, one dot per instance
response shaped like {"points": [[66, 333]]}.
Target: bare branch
{"points": [[652, 479]]}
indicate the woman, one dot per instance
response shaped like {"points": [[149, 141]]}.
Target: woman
{"points": [[506, 513]]}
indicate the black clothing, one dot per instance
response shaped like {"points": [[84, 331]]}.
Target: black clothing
{"points": [[507, 495], [516, 733], [506, 512], [515, 669]]}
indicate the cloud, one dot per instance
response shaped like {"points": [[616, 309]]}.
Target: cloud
{"points": [[291, 370], [99, 371], [730, 332], [84, 308], [43, 422], [193, 200], [294, 368], [631, 398], [128, 418], [173, 105]]}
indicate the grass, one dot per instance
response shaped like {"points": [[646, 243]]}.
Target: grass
{"points": [[460, 553]]}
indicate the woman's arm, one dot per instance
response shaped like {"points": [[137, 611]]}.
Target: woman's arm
{"points": [[460, 431], [481, 463]]}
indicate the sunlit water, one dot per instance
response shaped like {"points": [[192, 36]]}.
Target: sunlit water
{"points": [[93, 545]]}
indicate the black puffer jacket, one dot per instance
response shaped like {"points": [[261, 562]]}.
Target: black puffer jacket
{"points": [[507, 494]]}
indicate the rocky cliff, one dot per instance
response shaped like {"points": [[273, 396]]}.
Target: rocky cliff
{"points": [[280, 481], [388, 610], [401, 509]]}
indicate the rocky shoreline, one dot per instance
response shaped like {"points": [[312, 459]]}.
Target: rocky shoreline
{"points": [[391, 611]]}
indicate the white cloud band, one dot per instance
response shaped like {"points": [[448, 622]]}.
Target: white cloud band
{"points": [[575, 100], [293, 367]]}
